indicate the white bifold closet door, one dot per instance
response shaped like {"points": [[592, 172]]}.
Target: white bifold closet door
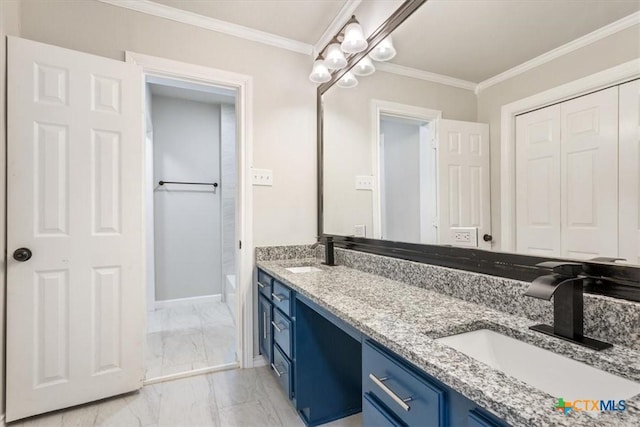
{"points": [[629, 134], [75, 310], [464, 191], [538, 182], [567, 178]]}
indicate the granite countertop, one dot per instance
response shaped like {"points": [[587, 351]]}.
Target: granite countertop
{"points": [[407, 319]]}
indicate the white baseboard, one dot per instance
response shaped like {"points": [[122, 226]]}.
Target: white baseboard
{"points": [[186, 301], [259, 361], [193, 373]]}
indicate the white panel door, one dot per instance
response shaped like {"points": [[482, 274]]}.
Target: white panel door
{"points": [[629, 131], [589, 175], [538, 182], [75, 310], [464, 192]]}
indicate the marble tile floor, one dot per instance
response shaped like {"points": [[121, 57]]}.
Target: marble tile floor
{"points": [[239, 397], [187, 337]]}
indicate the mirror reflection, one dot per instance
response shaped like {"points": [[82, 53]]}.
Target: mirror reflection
{"points": [[507, 126]]}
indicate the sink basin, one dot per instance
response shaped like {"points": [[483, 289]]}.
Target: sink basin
{"points": [[557, 375], [305, 269]]}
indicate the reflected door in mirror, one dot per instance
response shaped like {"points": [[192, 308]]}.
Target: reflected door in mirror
{"points": [[567, 178]]}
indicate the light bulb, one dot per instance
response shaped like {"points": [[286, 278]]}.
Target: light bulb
{"points": [[335, 58], [347, 81], [383, 51], [364, 67], [354, 40], [320, 73]]}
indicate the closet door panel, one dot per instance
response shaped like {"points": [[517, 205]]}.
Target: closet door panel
{"points": [[538, 182], [629, 134], [589, 175]]}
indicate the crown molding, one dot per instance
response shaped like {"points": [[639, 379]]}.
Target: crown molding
{"points": [[348, 8], [401, 70], [186, 17], [592, 37]]}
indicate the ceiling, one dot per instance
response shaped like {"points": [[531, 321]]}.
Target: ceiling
{"points": [[474, 40], [471, 40], [301, 20]]}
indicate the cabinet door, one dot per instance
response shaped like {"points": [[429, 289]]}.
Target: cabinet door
{"points": [[264, 323]]}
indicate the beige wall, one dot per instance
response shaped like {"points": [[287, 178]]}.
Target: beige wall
{"points": [[284, 99], [348, 139], [9, 25], [606, 53]]}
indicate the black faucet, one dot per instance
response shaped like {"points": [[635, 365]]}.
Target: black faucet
{"points": [[327, 241], [565, 285]]}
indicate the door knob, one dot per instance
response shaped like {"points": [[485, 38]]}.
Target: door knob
{"points": [[22, 254], [487, 237]]}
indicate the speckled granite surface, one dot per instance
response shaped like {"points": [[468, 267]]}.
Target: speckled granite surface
{"points": [[269, 253], [608, 319], [407, 319]]}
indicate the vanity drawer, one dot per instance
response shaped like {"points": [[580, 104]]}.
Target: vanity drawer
{"points": [[282, 332], [281, 296], [282, 369], [375, 415], [478, 418], [264, 283], [411, 397]]}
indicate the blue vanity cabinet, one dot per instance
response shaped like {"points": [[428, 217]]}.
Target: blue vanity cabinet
{"points": [[411, 397], [265, 311], [282, 327], [397, 393], [264, 284]]}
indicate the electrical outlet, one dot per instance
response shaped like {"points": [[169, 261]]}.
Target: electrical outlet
{"points": [[364, 182], [464, 236], [262, 177], [360, 230]]}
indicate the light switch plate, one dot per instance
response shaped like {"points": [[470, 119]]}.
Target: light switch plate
{"points": [[364, 182], [464, 236], [262, 177], [360, 230]]}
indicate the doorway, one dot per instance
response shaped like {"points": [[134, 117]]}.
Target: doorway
{"points": [[191, 178], [408, 206]]}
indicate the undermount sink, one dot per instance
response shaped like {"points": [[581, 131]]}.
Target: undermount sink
{"points": [[552, 373], [304, 269]]}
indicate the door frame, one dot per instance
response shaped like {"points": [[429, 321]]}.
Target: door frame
{"points": [[594, 82], [176, 70], [387, 108]]}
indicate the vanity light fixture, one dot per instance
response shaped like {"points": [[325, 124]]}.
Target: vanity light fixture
{"points": [[320, 73], [350, 40], [354, 41], [364, 68], [335, 57], [348, 81], [384, 51]]}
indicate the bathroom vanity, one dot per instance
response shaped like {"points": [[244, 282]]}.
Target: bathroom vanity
{"points": [[342, 340], [331, 369]]}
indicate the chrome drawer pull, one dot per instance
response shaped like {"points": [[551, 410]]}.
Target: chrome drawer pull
{"points": [[275, 368], [380, 383], [264, 324], [261, 285], [278, 297], [278, 328]]}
